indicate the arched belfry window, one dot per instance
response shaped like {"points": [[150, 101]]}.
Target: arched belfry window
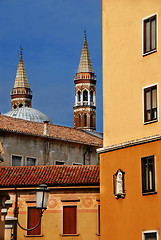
{"points": [[85, 120], [14, 106], [79, 96], [20, 105], [91, 120], [118, 181], [85, 95], [79, 120], [91, 96]]}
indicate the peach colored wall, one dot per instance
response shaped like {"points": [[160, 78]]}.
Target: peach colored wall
{"points": [[52, 220], [126, 71], [126, 218]]}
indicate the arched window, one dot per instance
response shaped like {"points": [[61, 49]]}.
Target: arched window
{"points": [[79, 96], [91, 120], [85, 95], [20, 105], [91, 96], [85, 120], [14, 106], [79, 120]]}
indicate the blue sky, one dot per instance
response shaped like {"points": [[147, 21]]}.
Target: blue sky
{"points": [[51, 33]]}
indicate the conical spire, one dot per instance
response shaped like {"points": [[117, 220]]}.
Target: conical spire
{"points": [[21, 77], [85, 64]]}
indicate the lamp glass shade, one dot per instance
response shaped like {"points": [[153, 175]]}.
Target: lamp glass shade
{"points": [[39, 199], [42, 199]]}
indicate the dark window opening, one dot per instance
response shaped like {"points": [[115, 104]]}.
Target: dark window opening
{"points": [[150, 32], [79, 96], [150, 104], [148, 174], [79, 120], [91, 96], [16, 160], [20, 105], [85, 120], [91, 120], [85, 95], [31, 161], [14, 106]]}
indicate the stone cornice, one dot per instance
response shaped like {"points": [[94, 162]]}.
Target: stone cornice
{"points": [[129, 143]]}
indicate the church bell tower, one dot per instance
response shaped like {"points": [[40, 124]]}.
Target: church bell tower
{"points": [[21, 94], [85, 92]]}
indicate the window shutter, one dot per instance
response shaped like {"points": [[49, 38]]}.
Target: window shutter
{"points": [[33, 219], [69, 220]]}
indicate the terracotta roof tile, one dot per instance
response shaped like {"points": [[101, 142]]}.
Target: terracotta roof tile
{"points": [[68, 175], [55, 131]]}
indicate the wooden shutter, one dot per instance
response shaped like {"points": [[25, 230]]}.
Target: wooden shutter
{"points": [[69, 219], [33, 219]]}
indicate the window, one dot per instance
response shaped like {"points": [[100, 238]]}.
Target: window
{"points": [[148, 174], [59, 162], [150, 34], [85, 95], [16, 160], [33, 219], [91, 96], [79, 96], [79, 120], [85, 120], [150, 235], [31, 161], [91, 120], [70, 220], [150, 104]]}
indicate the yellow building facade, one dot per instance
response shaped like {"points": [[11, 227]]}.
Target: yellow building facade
{"points": [[130, 166]]}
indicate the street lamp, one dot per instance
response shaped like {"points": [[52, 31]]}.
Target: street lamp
{"points": [[42, 194]]}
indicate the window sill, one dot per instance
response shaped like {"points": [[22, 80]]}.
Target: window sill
{"points": [[149, 193], [153, 121], [34, 236], [69, 235], [148, 53]]}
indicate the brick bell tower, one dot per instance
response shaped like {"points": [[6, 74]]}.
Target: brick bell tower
{"points": [[85, 92], [21, 94]]}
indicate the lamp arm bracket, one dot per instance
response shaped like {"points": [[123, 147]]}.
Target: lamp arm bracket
{"points": [[29, 229]]}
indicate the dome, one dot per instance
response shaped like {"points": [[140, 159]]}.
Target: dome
{"points": [[29, 114]]}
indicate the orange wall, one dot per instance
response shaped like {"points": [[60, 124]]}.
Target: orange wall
{"points": [[126, 218], [126, 71]]}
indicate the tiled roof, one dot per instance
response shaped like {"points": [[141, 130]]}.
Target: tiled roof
{"points": [[55, 131], [21, 77], [85, 64], [68, 175]]}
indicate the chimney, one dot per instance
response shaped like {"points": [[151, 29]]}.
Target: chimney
{"points": [[46, 129]]}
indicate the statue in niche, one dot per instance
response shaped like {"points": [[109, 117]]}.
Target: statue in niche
{"points": [[119, 184]]}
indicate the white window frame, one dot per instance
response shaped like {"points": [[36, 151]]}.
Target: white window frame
{"points": [[36, 162], [155, 50], [150, 231], [17, 155], [143, 103]]}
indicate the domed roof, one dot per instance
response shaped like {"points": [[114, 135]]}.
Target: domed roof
{"points": [[29, 114]]}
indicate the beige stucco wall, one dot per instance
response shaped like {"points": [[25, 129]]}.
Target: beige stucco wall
{"points": [[46, 151], [126, 71], [52, 220]]}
